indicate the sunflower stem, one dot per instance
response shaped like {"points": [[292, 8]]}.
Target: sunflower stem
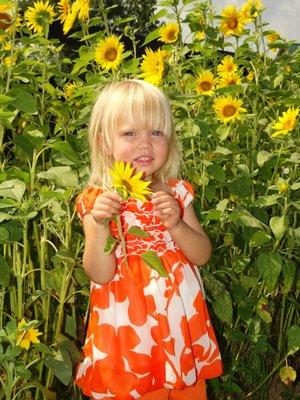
{"points": [[122, 238]]}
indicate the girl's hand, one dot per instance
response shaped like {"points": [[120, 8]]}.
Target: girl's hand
{"points": [[167, 208], [106, 206]]}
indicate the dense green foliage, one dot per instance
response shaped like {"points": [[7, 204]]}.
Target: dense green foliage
{"points": [[247, 197]]}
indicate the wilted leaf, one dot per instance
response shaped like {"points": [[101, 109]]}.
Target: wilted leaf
{"points": [[287, 374], [288, 272]]}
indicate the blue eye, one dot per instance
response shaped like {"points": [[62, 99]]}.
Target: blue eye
{"points": [[156, 133]]}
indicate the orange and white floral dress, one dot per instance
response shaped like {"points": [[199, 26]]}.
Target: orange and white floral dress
{"points": [[145, 331]]}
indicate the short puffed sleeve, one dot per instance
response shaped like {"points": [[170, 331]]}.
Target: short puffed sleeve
{"points": [[85, 201], [183, 192]]}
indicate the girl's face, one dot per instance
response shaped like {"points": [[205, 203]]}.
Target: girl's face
{"points": [[146, 149]]}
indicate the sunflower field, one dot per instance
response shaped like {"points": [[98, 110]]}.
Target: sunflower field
{"points": [[234, 87]]}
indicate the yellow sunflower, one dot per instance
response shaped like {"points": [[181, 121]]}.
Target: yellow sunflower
{"points": [[250, 76], [228, 109], [205, 83], [153, 66], [64, 9], [127, 183], [6, 9], [84, 9], [69, 89], [228, 79], [286, 123], [272, 37], [200, 35], [39, 16], [232, 22], [108, 52], [169, 32], [70, 18], [251, 9], [26, 336], [227, 65]]}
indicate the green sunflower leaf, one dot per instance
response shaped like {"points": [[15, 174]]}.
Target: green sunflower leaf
{"points": [[135, 230], [110, 244], [154, 262]]}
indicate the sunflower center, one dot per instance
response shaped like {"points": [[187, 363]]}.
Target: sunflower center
{"points": [[111, 54], [127, 185], [288, 125], [205, 86], [172, 34], [229, 110], [5, 20], [232, 22]]}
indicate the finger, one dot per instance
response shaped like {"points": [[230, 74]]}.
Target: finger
{"points": [[102, 215], [163, 198], [166, 204]]}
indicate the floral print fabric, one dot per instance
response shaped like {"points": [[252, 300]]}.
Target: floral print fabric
{"points": [[146, 332]]}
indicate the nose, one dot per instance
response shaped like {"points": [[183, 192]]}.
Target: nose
{"points": [[145, 141]]}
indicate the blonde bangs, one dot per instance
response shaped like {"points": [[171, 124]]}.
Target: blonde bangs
{"points": [[138, 103]]}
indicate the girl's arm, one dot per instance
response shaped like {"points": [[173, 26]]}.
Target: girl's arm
{"points": [[187, 232], [100, 267]]}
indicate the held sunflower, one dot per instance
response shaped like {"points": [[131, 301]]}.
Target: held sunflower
{"points": [[232, 22], [153, 66], [127, 183], [40, 16], [205, 83], [169, 33], [26, 336], [228, 108], [286, 123], [108, 53]]}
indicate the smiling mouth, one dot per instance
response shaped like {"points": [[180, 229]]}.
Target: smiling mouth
{"points": [[143, 159]]}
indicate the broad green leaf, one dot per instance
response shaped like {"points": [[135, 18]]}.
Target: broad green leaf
{"points": [[266, 201], [244, 218], [24, 100], [277, 81], [66, 149], [217, 172], [4, 272], [222, 150], [222, 306], [288, 272], [137, 231], [295, 186], [223, 132], [259, 238], [61, 369], [269, 265], [262, 157], [63, 176], [13, 188], [6, 99], [109, 244], [293, 335], [4, 235], [278, 226], [240, 186], [215, 287], [214, 215], [153, 261], [151, 36]]}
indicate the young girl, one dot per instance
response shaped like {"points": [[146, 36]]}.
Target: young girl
{"points": [[149, 336]]}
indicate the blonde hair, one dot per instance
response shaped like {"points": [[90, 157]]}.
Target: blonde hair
{"points": [[145, 106]]}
